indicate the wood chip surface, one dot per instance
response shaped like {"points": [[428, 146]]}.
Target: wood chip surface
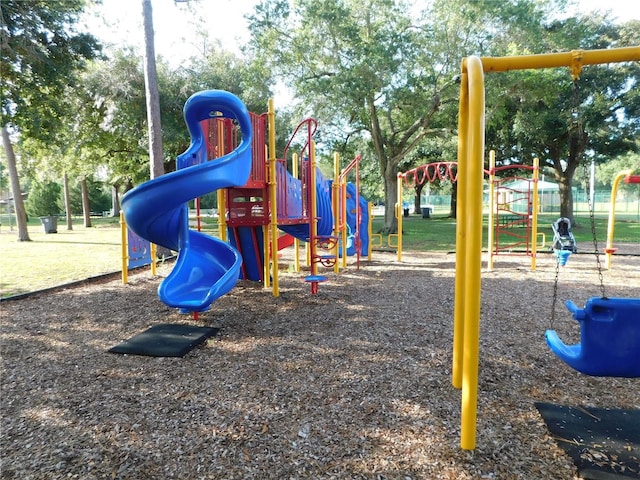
{"points": [[351, 383]]}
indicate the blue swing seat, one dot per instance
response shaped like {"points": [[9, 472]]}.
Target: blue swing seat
{"points": [[609, 338]]}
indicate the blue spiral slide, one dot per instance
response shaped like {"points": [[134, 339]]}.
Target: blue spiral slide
{"points": [[157, 210]]}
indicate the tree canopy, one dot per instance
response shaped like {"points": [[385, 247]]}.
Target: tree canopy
{"points": [[383, 72], [379, 75], [40, 55]]}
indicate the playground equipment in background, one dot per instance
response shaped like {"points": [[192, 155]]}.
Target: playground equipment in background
{"points": [[513, 211], [469, 226], [253, 192], [429, 172], [275, 200], [136, 251], [563, 238], [564, 243], [628, 178]]}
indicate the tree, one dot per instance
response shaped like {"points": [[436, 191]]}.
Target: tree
{"points": [[40, 55], [18, 203], [98, 200], [43, 199], [543, 113], [152, 94], [113, 112], [380, 69], [67, 201], [607, 172]]}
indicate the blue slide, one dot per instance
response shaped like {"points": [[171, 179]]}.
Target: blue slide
{"points": [[351, 221], [157, 210], [250, 238], [323, 207]]}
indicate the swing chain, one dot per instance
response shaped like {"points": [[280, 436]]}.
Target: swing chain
{"points": [[555, 295], [595, 242], [591, 207]]}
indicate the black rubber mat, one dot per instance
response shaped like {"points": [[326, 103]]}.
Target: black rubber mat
{"points": [[165, 340], [603, 443]]}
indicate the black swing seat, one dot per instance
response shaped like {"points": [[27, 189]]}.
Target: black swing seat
{"points": [[609, 338]]}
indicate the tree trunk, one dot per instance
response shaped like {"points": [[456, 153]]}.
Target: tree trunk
{"points": [[115, 201], [156, 166], [453, 206], [86, 208], [418, 191], [67, 201], [390, 199], [21, 213], [566, 198]]}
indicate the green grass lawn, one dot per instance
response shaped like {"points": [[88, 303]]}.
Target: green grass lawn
{"points": [[59, 258], [438, 232]]}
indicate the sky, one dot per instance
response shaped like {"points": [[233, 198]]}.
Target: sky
{"points": [[176, 23]]}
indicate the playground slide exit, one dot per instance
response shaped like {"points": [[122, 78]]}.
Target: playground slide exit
{"points": [[157, 210]]}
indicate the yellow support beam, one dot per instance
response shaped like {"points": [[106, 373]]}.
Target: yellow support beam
{"points": [[575, 59], [612, 215], [469, 226], [336, 210], [125, 249], [273, 223], [221, 194], [459, 301], [474, 173], [535, 205]]}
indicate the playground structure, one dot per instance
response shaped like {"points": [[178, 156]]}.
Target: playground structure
{"points": [[429, 172], [513, 211], [327, 217], [510, 205], [469, 232], [136, 251], [257, 198], [628, 178]]}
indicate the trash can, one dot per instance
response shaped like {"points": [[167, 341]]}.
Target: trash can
{"points": [[426, 212], [50, 224]]}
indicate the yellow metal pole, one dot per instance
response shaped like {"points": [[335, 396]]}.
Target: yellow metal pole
{"points": [[534, 213], [271, 116], [490, 220], [459, 305], [561, 59], [473, 259], [154, 266], [125, 251], [222, 198], [335, 207], [612, 214], [398, 213]]}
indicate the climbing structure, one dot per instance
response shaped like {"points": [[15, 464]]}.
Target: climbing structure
{"points": [[284, 199], [513, 211]]}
